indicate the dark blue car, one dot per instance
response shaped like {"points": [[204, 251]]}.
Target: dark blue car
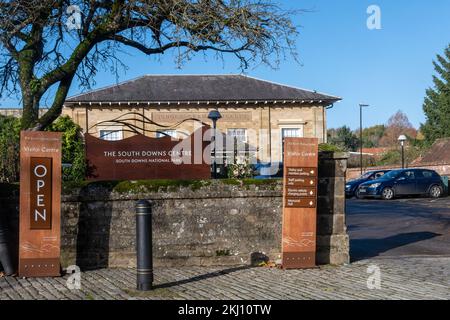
{"points": [[351, 186], [403, 182]]}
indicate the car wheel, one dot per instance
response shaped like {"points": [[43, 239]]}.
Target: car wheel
{"points": [[387, 194], [435, 192], [358, 195]]}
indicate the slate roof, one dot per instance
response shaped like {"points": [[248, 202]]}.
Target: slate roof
{"points": [[200, 88], [439, 153]]}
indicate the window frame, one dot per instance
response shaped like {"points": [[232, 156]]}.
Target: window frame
{"points": [[234, 136], [160, 135], [119, 133]]}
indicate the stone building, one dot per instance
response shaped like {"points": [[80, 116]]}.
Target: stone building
{"points": [[17, 112], [257, 112], [248, 106]]}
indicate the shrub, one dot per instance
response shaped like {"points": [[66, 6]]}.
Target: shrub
{"points": [[72, 148], [240, 170], [9, 148], [329, 147], [394, 157]]}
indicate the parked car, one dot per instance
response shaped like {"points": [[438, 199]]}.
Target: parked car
{"points": [[268, 170], [403, 182], [351, 186]]}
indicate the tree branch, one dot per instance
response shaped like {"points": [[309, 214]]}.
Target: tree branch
{"points": [[33, 33], [175, 44], [55, 110]]}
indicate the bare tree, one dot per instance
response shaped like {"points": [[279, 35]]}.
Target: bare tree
{"points": [[397, 125], [46, 44]]}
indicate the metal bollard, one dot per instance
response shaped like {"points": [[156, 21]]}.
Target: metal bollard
{"points": [[144, 264], [5, 253]]}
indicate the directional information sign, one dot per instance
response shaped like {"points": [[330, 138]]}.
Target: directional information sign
{"points": [[300, 202]]}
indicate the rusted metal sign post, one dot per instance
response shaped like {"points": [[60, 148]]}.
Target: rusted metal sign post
{"points": [[299, 202], [40, 198]]}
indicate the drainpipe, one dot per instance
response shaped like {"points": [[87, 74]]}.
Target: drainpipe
{"points": [[325, 137]]}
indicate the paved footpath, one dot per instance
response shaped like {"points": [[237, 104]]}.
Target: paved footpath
{"points": [[401, 278]]}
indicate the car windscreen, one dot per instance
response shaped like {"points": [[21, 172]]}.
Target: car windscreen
{"points": [[366, 175]]}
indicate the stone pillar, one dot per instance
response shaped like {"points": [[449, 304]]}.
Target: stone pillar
{"points": [[332, 237]]}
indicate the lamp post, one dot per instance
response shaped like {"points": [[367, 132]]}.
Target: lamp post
{"points": [[361, 105], [402, 140], [214, 115]]}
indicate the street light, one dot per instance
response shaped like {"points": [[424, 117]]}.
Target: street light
{"points": [[361, 105], [214, 115], [402, 140]]}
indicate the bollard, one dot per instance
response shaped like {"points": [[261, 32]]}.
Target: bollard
{"points": [[144, 265], [5, 253]]}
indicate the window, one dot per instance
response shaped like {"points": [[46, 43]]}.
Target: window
{"points": [[288, 133], [165, 133], [378, 175], [239, 134], [111, 135], [425, 174], [408, 175]]}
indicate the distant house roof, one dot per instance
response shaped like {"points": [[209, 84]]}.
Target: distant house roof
{"points": [[439, 153], [200, 89]]}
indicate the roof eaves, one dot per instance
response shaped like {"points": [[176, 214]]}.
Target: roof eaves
{"points": [[207, 102]]}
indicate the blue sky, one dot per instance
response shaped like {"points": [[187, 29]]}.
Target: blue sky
{"points": [[389, 69]]}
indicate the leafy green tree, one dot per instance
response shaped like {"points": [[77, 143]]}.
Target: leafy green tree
{"points": [[72, 148], [9, 149], [394, 157], [437, 102], [343, 138], [372, 136]]}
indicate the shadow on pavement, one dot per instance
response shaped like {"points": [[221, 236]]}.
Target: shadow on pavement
{"points": [[368, 248], [201, 277]]}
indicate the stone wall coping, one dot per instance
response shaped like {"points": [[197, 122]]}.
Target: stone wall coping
{"points": [[153, 190], [333, 155], [201, 189]]}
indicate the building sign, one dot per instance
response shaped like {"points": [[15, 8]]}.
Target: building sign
{"points": [[203, 116], [140, 157], [40, 197], [299, 202]]}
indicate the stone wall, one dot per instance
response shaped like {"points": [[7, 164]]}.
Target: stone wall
{"points": [[223, 222]]}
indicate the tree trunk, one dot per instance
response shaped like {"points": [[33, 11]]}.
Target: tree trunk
{"points": [[30, 113]]}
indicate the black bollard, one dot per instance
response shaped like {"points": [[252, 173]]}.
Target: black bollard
{"points": [[5, 254], [144, 264]]}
